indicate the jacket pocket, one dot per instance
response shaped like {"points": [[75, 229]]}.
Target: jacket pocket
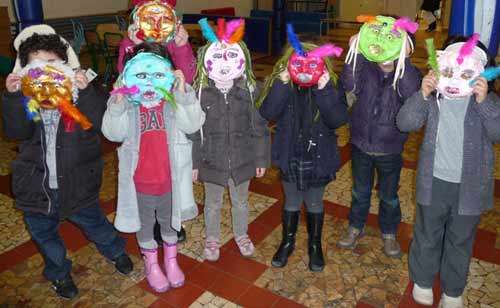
{"points": [[88, 179], [27, 183]]}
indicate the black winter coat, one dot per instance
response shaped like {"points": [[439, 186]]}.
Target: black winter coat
{"points": [[79, 163], [235, 137], [279, 106], [430, 5]]}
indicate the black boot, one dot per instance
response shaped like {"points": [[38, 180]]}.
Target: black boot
{"points": [[290, 221], [314, 228], [432, 27], [181, 235]]}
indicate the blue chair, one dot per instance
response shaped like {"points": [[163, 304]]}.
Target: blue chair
{"points": [[78, 35]]}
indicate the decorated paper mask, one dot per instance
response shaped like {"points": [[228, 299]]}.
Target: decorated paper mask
{"points": [[459, 64], [380, 41], [306, 68], [224, 59], [383, 39], [51, 85], [153, 21], [146, 79]]}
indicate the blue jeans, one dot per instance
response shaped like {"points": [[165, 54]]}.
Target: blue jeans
{"points": [[44, 231], [388, 169]]}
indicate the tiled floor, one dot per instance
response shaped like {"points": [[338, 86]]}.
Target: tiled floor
{"points": [[363, 277]]}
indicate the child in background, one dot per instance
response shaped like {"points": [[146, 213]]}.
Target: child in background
{"points": [[382, 77], [302, 96], [151, 126], [58, 172], [173, 38], [455, 182]]}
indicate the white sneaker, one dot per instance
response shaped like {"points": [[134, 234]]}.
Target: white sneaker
{"points": [[451, 302], [422, 296]]}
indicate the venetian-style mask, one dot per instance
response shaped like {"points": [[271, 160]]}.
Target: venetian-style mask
{"points": [[459, 64], [146, 79], [154, 21], [51, 85], [306, 68]]}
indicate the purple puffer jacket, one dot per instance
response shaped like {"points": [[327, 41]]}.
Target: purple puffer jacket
{"points": [[373, 116]]}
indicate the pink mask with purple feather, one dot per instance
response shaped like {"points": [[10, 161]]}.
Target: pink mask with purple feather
{"points": [[225, 60], [459, 64]]}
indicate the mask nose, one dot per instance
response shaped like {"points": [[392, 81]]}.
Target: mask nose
{"points": [[46, 89]]}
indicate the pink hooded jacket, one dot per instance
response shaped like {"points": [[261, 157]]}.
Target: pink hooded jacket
{"points": [[182, 57]]}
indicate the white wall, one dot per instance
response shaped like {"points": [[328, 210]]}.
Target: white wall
{"points": [[242, 7], [69, 8]]}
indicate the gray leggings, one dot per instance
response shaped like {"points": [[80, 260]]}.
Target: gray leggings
{"points": [[313, 198], [152, 208], [239, 209]]}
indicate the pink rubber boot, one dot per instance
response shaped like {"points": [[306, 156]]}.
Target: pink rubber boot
{"points": [[174, 273], [154, 275]]}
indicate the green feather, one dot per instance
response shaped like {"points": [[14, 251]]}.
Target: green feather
{"points": [[168, 96], [432, 60]]}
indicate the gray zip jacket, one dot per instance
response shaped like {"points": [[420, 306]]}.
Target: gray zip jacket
{"points": [[481, 130], [121, 124]]}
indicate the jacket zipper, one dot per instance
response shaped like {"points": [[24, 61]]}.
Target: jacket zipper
{"points": [[228, 135], [45, 171]]}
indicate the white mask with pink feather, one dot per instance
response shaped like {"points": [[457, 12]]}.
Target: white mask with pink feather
{"points": [[459, 64]]}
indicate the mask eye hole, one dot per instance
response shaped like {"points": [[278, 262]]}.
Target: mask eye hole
{"points": [[297, 64], [376, 31], [313, 65], [141, 75], [217, 56], [390, 37], [159, 75], [447, 72], [467, 74], [232, 54]]}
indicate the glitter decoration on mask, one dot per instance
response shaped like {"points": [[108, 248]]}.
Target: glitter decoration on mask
{"points": [[153, 21]]}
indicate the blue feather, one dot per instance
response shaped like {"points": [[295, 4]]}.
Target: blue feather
{"points": [[294, 40], [208, 32], [30, 115], [489, 73]]}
